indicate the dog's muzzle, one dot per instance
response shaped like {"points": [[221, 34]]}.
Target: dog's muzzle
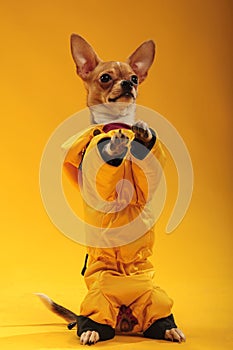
{"points": [[127, 87]]}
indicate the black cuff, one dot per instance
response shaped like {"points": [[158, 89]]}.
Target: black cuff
{"points": [[111, 160], [85, 324], [158, 328], [139, 149]]}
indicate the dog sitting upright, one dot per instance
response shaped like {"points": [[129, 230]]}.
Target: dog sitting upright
{"points": [[119, 277]]}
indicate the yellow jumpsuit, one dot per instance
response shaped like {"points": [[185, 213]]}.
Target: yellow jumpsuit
{"points": [[119, 275]]}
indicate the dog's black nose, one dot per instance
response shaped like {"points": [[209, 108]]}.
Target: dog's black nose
{"points": [[126, 85]]}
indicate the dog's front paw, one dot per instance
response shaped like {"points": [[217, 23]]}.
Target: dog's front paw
{"points": [[142, 131], [117, 145], [175, 334], [89, 338]]}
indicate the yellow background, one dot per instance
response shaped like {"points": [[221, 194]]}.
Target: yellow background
{"points": [[190, 84]]}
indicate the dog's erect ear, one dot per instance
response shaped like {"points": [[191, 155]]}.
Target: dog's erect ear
{"points": [[84, 56], [142, 58]]}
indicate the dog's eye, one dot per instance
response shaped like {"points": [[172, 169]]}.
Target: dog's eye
{"points": [[134, 79], [105, 78]]}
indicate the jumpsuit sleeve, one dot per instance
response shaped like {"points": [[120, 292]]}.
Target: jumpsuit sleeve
{"points": [[147, 165], [75, 148], [99, 177]]}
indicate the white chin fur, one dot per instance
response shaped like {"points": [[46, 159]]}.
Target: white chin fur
{"points": [[120, 112]]}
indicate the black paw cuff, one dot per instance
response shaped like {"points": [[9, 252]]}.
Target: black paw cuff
{"points": [[158, 328], [85, 324]]}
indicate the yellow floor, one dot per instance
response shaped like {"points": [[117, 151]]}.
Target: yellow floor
{"points": [[54, 337], [202, 310]]}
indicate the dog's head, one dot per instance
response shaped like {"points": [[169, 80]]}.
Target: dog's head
{"points": [[110, 82]]}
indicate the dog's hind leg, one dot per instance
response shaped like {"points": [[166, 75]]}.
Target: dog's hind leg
{"points": [[90, 332], [165, 328]]}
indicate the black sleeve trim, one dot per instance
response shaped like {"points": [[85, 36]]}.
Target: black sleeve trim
{"points": [[111, 160], [139, 149]]}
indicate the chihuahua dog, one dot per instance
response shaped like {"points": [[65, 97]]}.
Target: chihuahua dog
{"points": [[117, 150]]}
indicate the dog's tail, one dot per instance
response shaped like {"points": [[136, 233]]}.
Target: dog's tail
{"points": [[61, 311]]}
